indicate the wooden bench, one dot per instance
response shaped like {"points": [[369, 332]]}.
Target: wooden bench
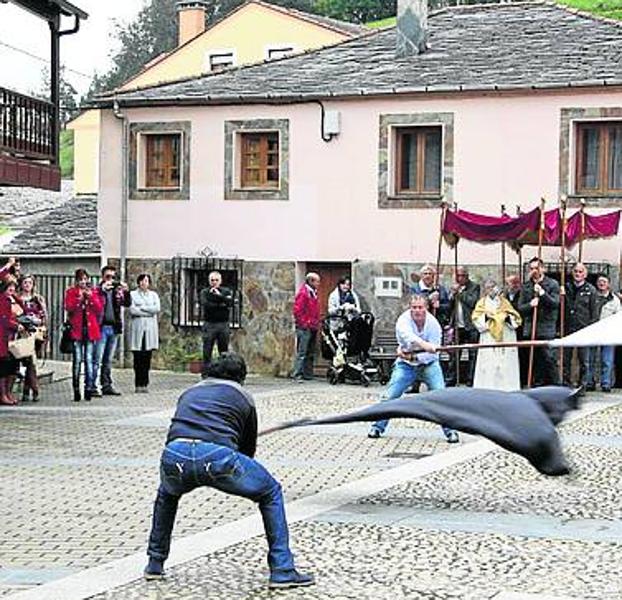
{"points": [[383, 353]]}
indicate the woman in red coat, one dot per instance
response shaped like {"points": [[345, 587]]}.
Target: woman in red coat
{"points": [[9, 311], [84, 309]]}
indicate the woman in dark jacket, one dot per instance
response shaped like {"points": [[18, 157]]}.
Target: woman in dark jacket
{"points": [[9, 311], [34, 308], [84, 310]]}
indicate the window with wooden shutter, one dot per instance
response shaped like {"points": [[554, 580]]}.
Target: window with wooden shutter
{"points": [[259, 160], [162, 160], [418, 160], [599, 158]]}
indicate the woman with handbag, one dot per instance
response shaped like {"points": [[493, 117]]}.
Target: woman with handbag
{"points": [[9, 312], [84, 311], [144, 311], [34, 308]]}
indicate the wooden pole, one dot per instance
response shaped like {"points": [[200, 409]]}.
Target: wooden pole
{"points": [[582, 232], [519, 252], [562, 289], [456, 331], [502, 252], [534, 317], [440, 244]]}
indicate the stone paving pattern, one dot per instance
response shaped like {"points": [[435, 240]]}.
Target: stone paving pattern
{"points": [[80, 481]]}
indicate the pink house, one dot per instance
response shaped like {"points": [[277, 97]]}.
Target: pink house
{"points": [[338, 161]]}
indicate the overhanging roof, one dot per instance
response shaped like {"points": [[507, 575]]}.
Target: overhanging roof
{"points": [[48, 9]]}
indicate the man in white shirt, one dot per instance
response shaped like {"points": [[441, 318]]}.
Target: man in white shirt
{"points": [[418, 335]]}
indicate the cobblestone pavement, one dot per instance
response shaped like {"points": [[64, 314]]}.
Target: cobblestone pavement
{"points": [[77, 483]]}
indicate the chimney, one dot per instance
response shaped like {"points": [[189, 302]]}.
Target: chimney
{"points": [[412, 27], [191, 19]]}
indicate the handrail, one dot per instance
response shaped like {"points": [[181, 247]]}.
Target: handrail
{"points": [[26, 126]]}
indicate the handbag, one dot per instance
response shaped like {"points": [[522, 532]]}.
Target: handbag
{"points": [[41, 333], [22, 347], [66, 343]]}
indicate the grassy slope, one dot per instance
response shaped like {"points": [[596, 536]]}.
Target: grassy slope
{"points": [[66, 154], [603, 8]]}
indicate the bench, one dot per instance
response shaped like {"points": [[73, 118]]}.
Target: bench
{"points": [[383, 353]]}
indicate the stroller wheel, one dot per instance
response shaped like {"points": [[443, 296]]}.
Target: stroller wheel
{"points": [[332, 376], [365, 380]]}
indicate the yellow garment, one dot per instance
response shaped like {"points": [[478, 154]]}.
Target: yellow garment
{"points": [[497, 318]]}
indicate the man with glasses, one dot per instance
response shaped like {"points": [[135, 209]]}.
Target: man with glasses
{"points": [[114, 294], [581, 310]]}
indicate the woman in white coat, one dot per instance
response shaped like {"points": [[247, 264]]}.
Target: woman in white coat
{"points": [[144, 337]]}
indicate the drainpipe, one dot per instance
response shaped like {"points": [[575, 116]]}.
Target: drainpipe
{"points": [[124, 207]]}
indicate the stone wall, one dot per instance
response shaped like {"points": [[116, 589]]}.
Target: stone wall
{"points": [[266, 338], [386, 310]]}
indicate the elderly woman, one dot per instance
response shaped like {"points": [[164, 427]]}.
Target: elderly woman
{"points": [[10, 310], [496, 320], [144, 312], [34, 308]]}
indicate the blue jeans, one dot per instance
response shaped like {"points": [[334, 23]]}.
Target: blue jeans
{"points": [[607, 359], [402, 378], [305, 352], [82, 352], [104, 352], [186, 465]]}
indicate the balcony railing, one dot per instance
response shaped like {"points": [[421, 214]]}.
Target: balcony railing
{"points": [[26, 126]]}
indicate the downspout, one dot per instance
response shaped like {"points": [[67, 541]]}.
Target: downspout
{"points": [[124, 207]]}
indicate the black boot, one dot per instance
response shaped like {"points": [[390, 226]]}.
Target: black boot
{"points": [[76, 395]]}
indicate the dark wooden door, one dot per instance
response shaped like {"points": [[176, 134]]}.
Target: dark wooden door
{"points": [[330, 274]]}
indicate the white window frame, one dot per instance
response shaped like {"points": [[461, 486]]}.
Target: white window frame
{"points": [[289, 49], [388, 287], [220, 52]]}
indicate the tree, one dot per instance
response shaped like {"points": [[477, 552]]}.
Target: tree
{"points": [[67, 99], [357, 11]]}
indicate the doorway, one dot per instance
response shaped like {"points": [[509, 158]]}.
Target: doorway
{"points": [[330, 274]]}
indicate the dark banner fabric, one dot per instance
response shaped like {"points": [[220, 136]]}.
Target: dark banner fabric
{"points": [[521, 422]]}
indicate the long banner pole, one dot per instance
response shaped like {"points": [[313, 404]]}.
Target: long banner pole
{"points": [[503, 251], [534, 316], [562, 290], [582, 211]]}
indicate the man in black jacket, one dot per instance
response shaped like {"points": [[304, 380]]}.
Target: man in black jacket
{"points": [[581, 310], [464, 296], [216, 302], [115, 295], [211, 442], [512, 293], [540, 296]]}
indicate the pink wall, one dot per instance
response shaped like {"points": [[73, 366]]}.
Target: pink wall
{"points": [[506, 151]]}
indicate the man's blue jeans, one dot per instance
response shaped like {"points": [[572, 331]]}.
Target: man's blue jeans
{"points": [[305, 352], [186, 465], [607, 360], [83, 352], [402, 378], [104, 354]]}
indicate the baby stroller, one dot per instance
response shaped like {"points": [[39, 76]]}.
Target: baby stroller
{"points": [[346, 339]]}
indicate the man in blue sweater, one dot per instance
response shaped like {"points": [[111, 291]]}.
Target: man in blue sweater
{"points": [[211, 442]]}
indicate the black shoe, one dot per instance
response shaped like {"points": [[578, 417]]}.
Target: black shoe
{"points": [[88, 394], [154, 570], [35, 396], [590, 387], [374, 433], [289, 579], [110, 392], [76, 396], [95, 393], [452, 437], [26, 396], [605, 389]]}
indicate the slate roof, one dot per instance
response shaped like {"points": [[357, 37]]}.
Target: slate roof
{"points": [[68, 229], [526, 45], [22, 206]]}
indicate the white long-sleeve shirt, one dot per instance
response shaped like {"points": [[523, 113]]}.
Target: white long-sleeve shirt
{"points": [[409, 335]]}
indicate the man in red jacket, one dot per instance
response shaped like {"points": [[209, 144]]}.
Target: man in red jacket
{"points": [[307, 319]]}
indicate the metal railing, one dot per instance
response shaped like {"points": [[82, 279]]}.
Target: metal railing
{"points": [[26, 126], [190, 276]]}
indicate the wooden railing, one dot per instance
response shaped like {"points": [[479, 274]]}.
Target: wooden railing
{"points": [[26, 126]]}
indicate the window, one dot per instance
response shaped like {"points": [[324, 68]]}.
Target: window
{"points": [[159, 160], [280, 52], [162, 160], [259, 160], [388, 287], [219, 61], [418, 160], [599, 158], [190, 276]]}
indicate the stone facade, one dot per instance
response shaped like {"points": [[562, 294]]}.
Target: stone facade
{"points": [[266, 338]]}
